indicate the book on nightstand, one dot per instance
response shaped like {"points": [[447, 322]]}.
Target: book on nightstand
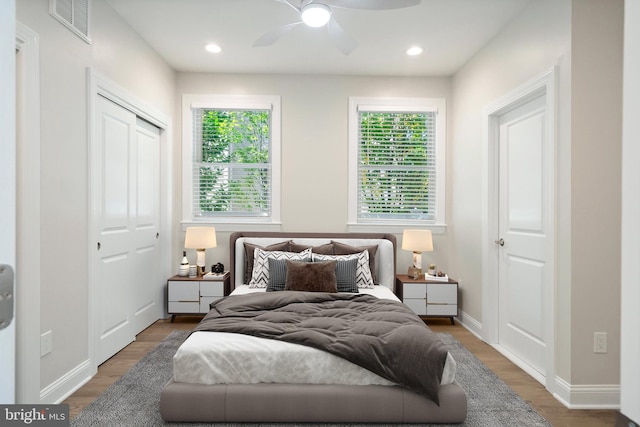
{"points": [[444, 278], [214, 276]]}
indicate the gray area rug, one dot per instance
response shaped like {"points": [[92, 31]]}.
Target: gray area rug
{"points": [[134, 399]]}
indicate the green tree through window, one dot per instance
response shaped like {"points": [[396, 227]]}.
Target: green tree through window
{"points": [[233, 171], [396, 165]]}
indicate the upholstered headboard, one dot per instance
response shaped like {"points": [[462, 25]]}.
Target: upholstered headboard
{"points": [[385, 264]]}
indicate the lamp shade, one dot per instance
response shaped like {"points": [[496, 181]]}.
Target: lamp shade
{"points": [[417, 240], [200, 238]]}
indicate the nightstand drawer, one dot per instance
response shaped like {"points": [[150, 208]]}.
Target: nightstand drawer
{"points": [[442, 310], [211, 289], [418, 305], [184, 291], [414, 290], [442, 293], [184, 307], [205, 301]]}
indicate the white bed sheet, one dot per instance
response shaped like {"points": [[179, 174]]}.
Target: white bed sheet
{"points": [[227, 358], [381, 292]]}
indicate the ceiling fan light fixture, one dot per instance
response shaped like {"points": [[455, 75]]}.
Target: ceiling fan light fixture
{"points": [[414, 51], [315, 14], [213, 48]]}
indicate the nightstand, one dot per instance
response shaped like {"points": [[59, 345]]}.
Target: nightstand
{"points": [[429, 298], [192, 295]]}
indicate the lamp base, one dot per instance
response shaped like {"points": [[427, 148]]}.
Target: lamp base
{"points": [[414, 272]]}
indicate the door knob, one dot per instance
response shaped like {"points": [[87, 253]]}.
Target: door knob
{"points": [[500, 242]]}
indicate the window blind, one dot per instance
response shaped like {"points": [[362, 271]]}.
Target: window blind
{"points": [[232, 173], [396, 165]]}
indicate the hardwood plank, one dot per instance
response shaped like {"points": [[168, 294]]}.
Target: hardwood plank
{"points": [[524, 385]]}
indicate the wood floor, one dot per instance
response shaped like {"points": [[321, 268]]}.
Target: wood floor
{"points": [[528, 388]]}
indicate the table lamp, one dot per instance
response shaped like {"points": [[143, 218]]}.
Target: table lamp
{"points": [[417, 241], [200, 238]]}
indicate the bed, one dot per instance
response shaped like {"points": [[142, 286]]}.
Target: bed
{"points": [[240, 390]]}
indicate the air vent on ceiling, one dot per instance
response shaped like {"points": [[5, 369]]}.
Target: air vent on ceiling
{"points": [[74, 14]]}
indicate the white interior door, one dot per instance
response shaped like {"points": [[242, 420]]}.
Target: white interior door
{"points": [[524, 276], [147, 225], [126, 205]]}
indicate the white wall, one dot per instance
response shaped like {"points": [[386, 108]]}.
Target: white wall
{"points": [[596, 141], [583, 39], [121, 56], [536, 40], [630, 316], [314, 145]]}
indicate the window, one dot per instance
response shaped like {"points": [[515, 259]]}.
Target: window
{"points": [[396, 166], [231, 159]]}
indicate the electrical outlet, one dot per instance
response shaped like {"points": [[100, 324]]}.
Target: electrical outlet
{"points": [[599, 342], [46, 343]]}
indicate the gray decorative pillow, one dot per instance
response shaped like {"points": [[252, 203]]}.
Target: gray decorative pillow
{"points": [[346, 275], [363, 273], [344, 249], [311, 276], [277, 274]]}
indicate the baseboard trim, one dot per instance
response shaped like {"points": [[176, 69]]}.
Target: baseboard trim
{"points": [[65, 386], [471, 324], [596, 396]]}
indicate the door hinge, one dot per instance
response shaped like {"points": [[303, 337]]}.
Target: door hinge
{"points": [[6, 295]]}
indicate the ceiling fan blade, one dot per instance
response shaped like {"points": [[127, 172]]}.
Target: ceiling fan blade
{"points": [[343, 41], [272, 36], [371, 4], [288, 3]]}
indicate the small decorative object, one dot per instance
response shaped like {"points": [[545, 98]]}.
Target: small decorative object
{"points": [[183, 269], [200, 238], [431, 271], [217, 268], [193, 271], [417, 241]]}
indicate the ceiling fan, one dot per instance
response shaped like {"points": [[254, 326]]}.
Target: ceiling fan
{"points": [[318, 13]]}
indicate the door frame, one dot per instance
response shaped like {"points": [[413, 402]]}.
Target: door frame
{"points": [[8, 186], [99, 85], [544, 84], [28, 274]]}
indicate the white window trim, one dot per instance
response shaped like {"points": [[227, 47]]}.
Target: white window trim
{"points": [[357, 104], [271, 102]]}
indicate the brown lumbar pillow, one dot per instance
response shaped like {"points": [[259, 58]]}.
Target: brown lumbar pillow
{"points": [[311, 276]]}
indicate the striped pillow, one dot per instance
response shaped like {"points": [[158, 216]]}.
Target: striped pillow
{"points": [[345, 275], [364, 279]]}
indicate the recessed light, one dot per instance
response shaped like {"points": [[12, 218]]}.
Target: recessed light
{"points": [[213, 48], [414, 50]]}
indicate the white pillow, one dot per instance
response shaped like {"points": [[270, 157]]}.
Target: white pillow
{"points": [[364, 279], [260, 276]]}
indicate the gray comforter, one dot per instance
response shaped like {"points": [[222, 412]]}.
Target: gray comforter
{"points": [[383, 336]]}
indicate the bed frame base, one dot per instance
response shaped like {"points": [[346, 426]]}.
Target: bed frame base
{"points": [[308, 403]]}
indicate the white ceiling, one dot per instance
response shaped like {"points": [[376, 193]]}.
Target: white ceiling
{"points": [[449, 31]]}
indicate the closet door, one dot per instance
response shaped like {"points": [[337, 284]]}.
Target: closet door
{"points": [[147, 225], [125, 209]]}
